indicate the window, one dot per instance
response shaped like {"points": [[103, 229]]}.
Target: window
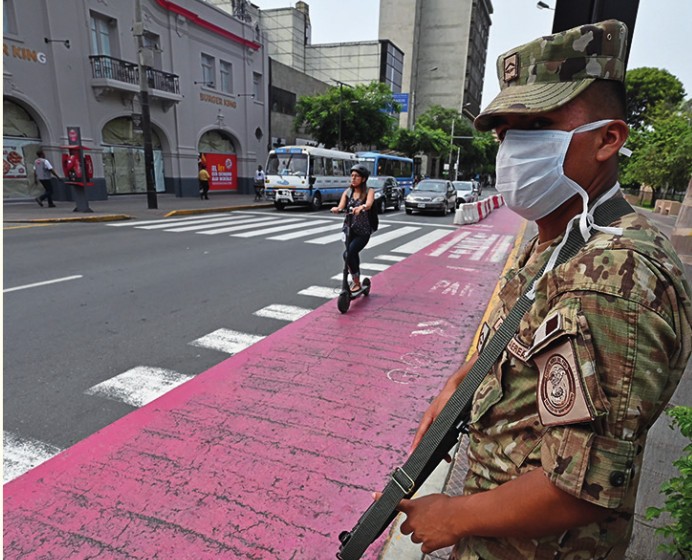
{"points": [[283, 101], [100, 35], [257, 86], [208, 70], [226, 72], [9, 23]]}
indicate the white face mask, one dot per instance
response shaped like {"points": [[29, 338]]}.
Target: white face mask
{"points": [[530, 173]]}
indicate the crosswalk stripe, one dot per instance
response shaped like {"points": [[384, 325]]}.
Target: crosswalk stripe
{"points": [[393, 258], [379, 239], [197, 221], [227, 340], [138, 386], [282, 312], [231, 229], [446, 246], [20, 455], [422, 242], [321, 291], [305, 233], [235, 221], [326, 239], [374, 266], [275, 229], [165, 220]]}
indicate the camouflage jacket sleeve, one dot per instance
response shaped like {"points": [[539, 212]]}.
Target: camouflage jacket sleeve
{"points": [[609, 353]]}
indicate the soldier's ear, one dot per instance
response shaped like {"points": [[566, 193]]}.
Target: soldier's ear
{"points": [[613, 137]]}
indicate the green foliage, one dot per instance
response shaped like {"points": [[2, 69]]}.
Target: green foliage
{"points": [[650, 92], [678, 492], [432, 134], [356, 114]]}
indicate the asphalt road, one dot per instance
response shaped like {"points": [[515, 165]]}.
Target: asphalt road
{"points": [[124, 297]]}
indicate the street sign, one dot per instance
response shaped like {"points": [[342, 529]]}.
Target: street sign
{"points": [[402, 100]]}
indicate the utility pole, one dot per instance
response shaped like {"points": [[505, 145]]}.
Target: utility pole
{"points": [[142, 60], [451, 147]]}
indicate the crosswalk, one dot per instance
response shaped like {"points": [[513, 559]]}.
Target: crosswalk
{"points": [[316, 230], [143, 384]]}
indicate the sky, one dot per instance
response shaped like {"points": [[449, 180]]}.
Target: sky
{"points": [[661, 35]]}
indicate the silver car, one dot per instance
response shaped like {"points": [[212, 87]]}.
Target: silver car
{"points": [[432, 195], [467, 191]]}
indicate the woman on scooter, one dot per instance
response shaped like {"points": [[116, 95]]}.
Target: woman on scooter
{"points": [[357, 200]]}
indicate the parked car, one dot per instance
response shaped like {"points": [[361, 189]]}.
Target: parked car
{"points": [[467, 191], [387, 193], [432, 195]]}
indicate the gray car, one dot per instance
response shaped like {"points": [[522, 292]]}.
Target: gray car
{"points": [[432, 195], [387, 193]]}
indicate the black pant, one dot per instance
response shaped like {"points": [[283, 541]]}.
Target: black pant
{"points": [[355, 245], [48, 195], [204, 189], [259, 191]]}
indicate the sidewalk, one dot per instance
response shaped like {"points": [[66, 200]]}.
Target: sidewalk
{"points": [[124, 207]]}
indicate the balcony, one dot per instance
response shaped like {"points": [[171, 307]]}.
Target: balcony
{"points": [[114, 75]]}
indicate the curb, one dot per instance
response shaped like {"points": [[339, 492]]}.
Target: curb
{"points": [[105, 218], [193, 211]]}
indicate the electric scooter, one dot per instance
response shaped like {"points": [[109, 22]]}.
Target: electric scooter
{"points": [[346, 295]]}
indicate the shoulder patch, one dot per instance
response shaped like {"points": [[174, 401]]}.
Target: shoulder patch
{"points": [[561, 398], [518, 349]]}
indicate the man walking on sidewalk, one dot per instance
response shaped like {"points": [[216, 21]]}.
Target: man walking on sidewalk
{"points": [[558, 427], [42, 173]]}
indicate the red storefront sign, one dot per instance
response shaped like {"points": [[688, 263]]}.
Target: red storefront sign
{"points": [[223, 171]]}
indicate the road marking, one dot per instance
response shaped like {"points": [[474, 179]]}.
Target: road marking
{"points": [[502, 248], [226, 340], [247, 226], [422, 242], [27, 226], [274, 229], [379, 239], [446, 246], [305, 233], [20, 455], [364, 266], [282, 312], [327, 239], [198, 221], [139, 386], [165, 220], [46, 283], [393, 258], [320, 291], [227, 222]]}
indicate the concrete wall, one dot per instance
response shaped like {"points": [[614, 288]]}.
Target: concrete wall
{"points": [[351, 63]]}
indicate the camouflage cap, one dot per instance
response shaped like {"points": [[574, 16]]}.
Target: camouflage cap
{"points": [[550, 71]]}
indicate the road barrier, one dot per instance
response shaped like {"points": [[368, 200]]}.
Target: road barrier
{"points": [[473, 212]]}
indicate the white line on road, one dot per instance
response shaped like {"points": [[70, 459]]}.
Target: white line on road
{"points": [[305, 233], [226, 340], [422, 242], [20, 455], [139, 386], [162, 221], [275, 229], [446, 246], [378, 238], [320, 291], [282, 312], [226, 222], [393, 258], [46, 283], [255, 223]]}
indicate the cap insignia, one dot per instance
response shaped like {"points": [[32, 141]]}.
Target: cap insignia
{"points": [[510, 68]]}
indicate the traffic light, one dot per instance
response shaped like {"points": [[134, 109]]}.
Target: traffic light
{"points": [[571, 13]]}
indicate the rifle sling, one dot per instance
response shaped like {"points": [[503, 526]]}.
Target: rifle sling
{"points": [[444, 432]]}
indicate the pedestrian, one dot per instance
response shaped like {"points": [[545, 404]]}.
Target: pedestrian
{"points": [[357, 200], [558, 427], [203, 182], [259, 183], [43, 170]]}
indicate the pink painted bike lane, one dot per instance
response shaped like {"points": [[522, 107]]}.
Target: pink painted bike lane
{"points": [[275, 451]]}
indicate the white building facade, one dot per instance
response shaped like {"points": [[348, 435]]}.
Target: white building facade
{"points": [[76, 63]]}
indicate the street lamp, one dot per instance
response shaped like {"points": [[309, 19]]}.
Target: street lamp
{"points": [[544, 6], [451, 147]]}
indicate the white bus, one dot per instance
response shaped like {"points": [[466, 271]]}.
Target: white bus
{"points": [[307, 176]]}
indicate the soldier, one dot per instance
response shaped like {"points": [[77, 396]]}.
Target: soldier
{"points": [[558, 427]]}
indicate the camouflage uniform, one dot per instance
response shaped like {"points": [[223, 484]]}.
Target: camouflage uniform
{"points": [[588, 372]]}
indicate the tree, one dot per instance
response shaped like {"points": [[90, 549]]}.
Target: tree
{"points": [[650, 92], [355, 115]]}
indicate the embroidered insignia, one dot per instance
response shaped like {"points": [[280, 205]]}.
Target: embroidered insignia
{"points": [[551, 325], [510, 68], [483, 337], [561, 397], [518, 349]]}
